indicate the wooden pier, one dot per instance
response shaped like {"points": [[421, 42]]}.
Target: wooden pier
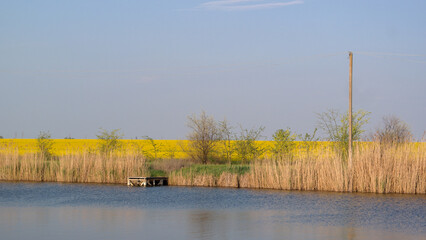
{"points": [[147, 181]]}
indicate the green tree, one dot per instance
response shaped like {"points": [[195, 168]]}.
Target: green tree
{"points": [[45, 145], [246, 146], [283, 142], [336, 125], [108, 141]]}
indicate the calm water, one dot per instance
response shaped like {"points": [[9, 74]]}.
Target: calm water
{"points": [[86, 211]]}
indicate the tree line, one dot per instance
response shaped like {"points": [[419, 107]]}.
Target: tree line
{"points": [[211, 140], [219, 141]]}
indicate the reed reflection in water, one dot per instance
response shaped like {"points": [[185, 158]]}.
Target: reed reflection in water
{"points": [[127, 223]]}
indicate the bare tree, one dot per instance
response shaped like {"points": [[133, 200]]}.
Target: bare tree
{"points": [[394, 130], [225, 137], [203, 138]]}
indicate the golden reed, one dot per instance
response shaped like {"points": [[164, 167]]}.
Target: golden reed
{"points": [[376, 168], [83, 167]]}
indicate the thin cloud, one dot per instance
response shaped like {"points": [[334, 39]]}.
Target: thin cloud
{"points": [[226, 2], [239, 5]]}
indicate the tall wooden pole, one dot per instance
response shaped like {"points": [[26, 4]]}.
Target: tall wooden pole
{"points": [[350, 111]]}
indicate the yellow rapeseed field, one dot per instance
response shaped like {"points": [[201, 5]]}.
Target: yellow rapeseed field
{"points": [[156, 149], [151, 149], [165, 148]]}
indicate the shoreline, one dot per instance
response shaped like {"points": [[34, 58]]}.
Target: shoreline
{"points": [[217, 186]]}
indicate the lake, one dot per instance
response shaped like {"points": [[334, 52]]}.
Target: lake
{"points": [[94, 211]]}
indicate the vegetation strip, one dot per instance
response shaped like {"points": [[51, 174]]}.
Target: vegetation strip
{"points": [[377, 168], [392, 163]]}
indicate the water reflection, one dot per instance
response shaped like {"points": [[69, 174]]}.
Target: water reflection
{"points": [[201, 224], [117, 223], [55, 211]]}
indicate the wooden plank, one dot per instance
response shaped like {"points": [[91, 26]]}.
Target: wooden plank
{"points": [[147, 181]]}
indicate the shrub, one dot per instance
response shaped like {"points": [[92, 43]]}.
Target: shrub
{"points": [[309, 141], [45, 145], [156, 148], [109, 141], [283, 142], [245, 145], [393, 131]]}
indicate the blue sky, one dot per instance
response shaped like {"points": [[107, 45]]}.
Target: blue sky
{"points": [[72, 67]]}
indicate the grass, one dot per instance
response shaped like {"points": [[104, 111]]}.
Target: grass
{"points": [[214, 170]]}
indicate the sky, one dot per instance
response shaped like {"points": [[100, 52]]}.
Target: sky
{"points": [[71, 68]]}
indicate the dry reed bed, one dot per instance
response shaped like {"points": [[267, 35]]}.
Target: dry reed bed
{"points": [[376, 168], [73, 167]]}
